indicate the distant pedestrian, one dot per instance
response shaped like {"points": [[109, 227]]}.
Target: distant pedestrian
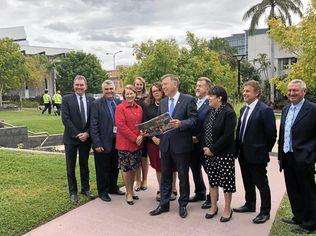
{"points": [[47, 102], [57, 100]]}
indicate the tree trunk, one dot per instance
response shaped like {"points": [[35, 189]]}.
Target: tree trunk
{"points": [[1, 89], [272, 57]]}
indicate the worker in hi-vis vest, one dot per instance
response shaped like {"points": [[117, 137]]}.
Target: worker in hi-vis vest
{"points": [[57, 100], [47, 102]]}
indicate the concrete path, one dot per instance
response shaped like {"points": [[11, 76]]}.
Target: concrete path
{"points": [[118, 218]]}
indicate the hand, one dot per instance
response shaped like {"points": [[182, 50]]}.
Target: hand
{"points": [[194, 139], [175, 123], [99, 149], [139, 140], [155, 140], [83, 136], [207, 152]]}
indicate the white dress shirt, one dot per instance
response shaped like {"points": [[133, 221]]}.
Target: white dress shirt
{"points": [[84, 100]]}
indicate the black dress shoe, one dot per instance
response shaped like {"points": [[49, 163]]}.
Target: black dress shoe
{"points": [[224, 219], [210, 216], [206, 204], [261, 218], [135, 197], [301, 230], [197, 198], [291, 221], [105, 197], [159, 210], [88, 194], [118, 192], [74, 198], [183, 212], [243, 209]]}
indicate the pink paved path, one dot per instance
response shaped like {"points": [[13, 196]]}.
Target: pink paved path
{"points": [[118, 218]]}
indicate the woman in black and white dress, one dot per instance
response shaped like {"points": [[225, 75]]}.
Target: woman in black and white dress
{"points": [[219, 129]]}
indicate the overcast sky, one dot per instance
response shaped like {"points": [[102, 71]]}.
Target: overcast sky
{"points": [[100, 26]]}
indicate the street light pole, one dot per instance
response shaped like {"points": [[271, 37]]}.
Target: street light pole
{"points": [[113, 54], [239, 59]]}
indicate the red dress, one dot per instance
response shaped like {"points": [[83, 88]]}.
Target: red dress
{"points": [[126, 119]]}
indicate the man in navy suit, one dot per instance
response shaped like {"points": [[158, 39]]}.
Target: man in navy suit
{"points": [[203, 86], [176, 145], [297, 157], [103, 133], [76, 109], [255, 136]]}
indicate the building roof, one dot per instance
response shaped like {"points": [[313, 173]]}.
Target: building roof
{"points": [[48, 51], [15, 33]]}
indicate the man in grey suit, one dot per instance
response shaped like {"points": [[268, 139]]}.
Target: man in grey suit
{"points": [[176, 145], [75, 117]]}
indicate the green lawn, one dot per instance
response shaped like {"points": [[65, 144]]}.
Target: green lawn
{"points": [[34, 190], [34, 120]]}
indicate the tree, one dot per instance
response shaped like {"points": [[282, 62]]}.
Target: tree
{"points": [[225, 51], [301, 40], [279, 9], [12, 66], [248, 71], [85, 64]]}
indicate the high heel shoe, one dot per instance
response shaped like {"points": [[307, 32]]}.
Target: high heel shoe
{"points": [[224, 219], [210, 216], [135, 197], [129, 202]]}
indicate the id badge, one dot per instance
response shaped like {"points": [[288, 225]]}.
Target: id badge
{"points": [[114, 129]]}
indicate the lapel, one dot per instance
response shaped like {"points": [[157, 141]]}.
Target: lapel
{"points": [[303, 112], [203, 106], [252, 114], [176, 106], [105, 107]]}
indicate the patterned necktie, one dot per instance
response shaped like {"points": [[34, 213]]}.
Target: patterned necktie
{"points": [[171, 108], [113, 109], [287, 131], [82, 113], [243, 125]]}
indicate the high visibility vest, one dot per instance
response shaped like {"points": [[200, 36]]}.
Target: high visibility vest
{"points": [[57, 98], [46, 98]]}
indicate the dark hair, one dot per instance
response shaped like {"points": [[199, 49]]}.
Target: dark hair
{"points": [[150, 99], [130, 87], [219, 91]]}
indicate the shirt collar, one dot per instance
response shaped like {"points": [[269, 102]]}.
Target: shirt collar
{"points": [[253, 104], [78, 96], [298, 105], [202, 100], [126, 104], [176, 96]]}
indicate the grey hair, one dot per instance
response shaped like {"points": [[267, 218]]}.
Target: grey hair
{"points": [[172, 77], [300, 82], [108, 82], [207, 82]]}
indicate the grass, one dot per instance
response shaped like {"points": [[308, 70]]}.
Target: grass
{"points": [[34, 190], [34, 120]]}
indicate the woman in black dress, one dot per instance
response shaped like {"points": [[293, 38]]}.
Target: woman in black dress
{"points": [[219, 129]]}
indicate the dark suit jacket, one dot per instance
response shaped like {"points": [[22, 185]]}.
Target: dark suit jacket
{"points": [[101, 125], [303, 133], [72, 120], [179, 140], [202, 113], [224, 132], [260, 134]]}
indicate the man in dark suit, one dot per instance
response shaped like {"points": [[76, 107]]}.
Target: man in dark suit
{"points": [[103, 132], [203, 86], [255, 137], [176, 145], [75, 117], [297, 156]]}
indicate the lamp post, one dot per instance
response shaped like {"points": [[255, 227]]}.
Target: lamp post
{"points": [[239, 58], [113, 54]]}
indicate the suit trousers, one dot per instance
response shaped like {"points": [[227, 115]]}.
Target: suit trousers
{"points": [[301, 189], [71, 151], [255, 175], [106, 167], [182, 162], [196, 162]]}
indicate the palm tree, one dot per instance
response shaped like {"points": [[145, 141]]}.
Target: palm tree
{"points": [[278, 9]]}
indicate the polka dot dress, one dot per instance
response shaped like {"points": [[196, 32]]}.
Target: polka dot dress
{"points": [[221, 172]]}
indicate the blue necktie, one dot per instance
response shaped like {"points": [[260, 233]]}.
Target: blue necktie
{"points": [[171, 108]]}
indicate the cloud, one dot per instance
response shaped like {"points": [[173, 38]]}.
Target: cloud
{"points": [[95, 36], [60, 26]]}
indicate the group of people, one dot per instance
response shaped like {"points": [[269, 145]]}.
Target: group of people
{"points": [[49, 102], [203, 135]]}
